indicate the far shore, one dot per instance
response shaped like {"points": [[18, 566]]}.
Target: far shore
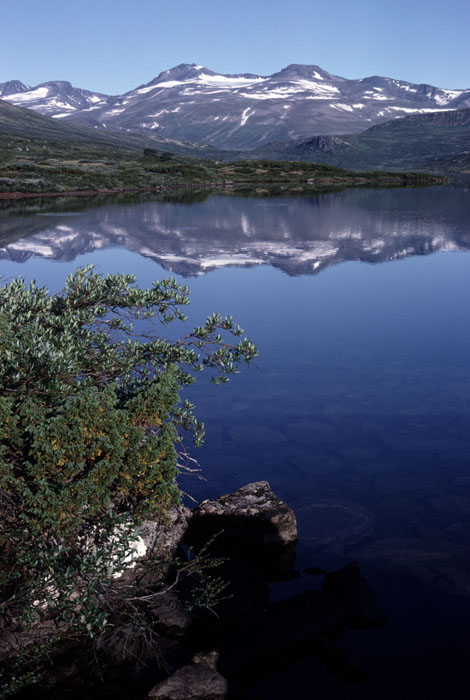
{"points": [[379, 180]]}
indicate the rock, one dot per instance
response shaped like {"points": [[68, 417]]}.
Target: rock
{"points": [[337, 661], [314, 571], [208, 658], [172, 617], [246, 593], [161, 540], [192, 682], [251, 524], [363, 609]]}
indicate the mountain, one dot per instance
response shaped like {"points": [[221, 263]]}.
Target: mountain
{"points": [[56, 98], [25, 123], [241, 111], [40, 154], [438, 141], [33, 132], [12, 87]]}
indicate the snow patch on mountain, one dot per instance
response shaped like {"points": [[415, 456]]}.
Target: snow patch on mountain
{"points": [[245, 116], [37, 94], [447, 96]]}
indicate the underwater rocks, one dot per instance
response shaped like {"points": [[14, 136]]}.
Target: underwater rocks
{"points": [[250, 638]]}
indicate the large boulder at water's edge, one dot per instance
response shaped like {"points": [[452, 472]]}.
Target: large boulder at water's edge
{"points": [[252, 524]]}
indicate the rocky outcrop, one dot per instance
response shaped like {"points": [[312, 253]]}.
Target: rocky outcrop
{"points": [[170, 614], [195, 654], [192, 682], [252, 524], [161, 540]]}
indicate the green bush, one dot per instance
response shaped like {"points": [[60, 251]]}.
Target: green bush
{"points": [[91, 427]]}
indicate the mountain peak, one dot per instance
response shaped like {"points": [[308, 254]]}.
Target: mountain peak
{"points": [[184, 71], [12, 87], [303, 71], [62, 86]]}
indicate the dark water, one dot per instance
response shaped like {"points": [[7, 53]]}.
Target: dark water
{"points": [[358, 412]]}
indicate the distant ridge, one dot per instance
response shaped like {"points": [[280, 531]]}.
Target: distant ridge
{"points": [[242, 111], [438, 141]]}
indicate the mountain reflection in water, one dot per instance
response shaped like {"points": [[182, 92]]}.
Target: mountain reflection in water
{"points": [[299, 235]]}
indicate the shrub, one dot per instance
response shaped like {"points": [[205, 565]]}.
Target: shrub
{"points": [[91, 427]]}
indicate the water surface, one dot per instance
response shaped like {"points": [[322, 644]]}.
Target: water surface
{"points": [[358, 410]]}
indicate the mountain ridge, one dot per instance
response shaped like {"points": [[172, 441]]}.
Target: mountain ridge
{"points": [[241, 111]]}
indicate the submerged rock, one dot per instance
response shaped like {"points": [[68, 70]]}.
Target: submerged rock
{"points": [[251, 524], [246, 593], [363, 609], [286, 631]]}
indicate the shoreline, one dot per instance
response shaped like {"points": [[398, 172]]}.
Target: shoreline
{"points": [[100, 193], [389, 180]]}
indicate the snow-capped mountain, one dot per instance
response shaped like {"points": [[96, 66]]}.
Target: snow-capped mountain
{"points": [[56, 98], [191, 102]]}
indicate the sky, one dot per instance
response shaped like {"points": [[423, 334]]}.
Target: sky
{"points": [[113, 46]]}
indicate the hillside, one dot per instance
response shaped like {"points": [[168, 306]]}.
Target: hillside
{"points": [[38, 154], [413, 142], [21, 123]]}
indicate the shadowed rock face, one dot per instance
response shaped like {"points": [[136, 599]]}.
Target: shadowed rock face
{"points": [[251, 524], [302, 235], [191, 682]]}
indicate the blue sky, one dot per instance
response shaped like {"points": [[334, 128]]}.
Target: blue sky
{"points": [[115, 45]]}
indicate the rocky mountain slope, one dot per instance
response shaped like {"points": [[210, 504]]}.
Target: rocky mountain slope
{"points": [[26, 130], [53, 97], [243, 111], [438, 141]]}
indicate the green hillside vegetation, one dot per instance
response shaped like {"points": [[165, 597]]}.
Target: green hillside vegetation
{"points": [[413, 142], [40, 155], [453, 163]]}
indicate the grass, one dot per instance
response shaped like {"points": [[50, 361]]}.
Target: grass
{"points": [[37, 167]]}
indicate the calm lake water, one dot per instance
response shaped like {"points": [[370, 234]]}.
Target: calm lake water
{"points": [[358, 411]]}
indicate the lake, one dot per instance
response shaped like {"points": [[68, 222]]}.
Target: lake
{"points": [[358, 409]]}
